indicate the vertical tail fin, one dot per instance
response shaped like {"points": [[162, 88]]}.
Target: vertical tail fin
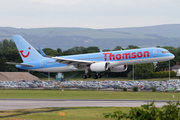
{"points": [[26, 51]]}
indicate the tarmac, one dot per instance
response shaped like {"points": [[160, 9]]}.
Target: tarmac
{"points": [[10, 104]]}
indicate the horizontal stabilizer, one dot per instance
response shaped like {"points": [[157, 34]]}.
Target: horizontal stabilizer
{"points": [[27, 65]]}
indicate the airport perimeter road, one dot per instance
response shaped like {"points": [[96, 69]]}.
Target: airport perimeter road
{"points": [[9, 104]]}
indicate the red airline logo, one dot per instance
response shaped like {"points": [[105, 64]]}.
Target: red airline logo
{"points": [[25, 56], [126, 55]]}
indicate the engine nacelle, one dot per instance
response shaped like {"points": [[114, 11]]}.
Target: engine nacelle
{"points": [[119, 68], [99, 66]]}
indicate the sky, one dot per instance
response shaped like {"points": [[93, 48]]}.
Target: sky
{"points": [[95, 14]]}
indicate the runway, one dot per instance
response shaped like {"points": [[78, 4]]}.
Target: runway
{"points": [[10, 104]]}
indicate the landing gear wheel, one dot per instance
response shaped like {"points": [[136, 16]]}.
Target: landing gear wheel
{"points": [[95, 77], [99, 76], [107, 75], [84, 76], [88, 76]]}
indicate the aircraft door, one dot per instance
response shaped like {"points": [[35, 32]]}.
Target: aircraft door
{"points": [[41, 64], [155, 53]]}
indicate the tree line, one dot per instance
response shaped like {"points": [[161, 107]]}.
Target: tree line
{"points": [[9, 53]]}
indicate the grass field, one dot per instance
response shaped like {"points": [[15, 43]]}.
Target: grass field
{"points": [[81, 113], [76, 113], [80, 94]]}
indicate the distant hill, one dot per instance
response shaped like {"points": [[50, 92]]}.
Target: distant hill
{"points": [[169, 30], [66, 38]]}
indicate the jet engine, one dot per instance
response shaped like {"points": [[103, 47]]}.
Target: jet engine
{"points": [[99, 66], [119, 68]]}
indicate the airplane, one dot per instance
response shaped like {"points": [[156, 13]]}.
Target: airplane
{"points": [[113, 61]]}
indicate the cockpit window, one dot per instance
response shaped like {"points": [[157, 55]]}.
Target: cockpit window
{"points": [[165, 52]]}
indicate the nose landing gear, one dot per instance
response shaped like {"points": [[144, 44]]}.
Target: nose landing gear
{"points": [[155, 66]]}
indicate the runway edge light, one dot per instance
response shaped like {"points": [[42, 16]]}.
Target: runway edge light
{"points": [[62, 113]]}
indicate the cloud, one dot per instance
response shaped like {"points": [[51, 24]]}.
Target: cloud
{"points": [[70, 2], [56, 2], [96, 22], [88, 13]]}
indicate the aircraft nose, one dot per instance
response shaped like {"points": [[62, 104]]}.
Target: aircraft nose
{"points": [[172, 56]]}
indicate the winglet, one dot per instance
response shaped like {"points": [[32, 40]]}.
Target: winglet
{"points": [[100, 50], [42, 53]]}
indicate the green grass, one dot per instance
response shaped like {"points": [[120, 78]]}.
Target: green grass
{"points": [[81, 113], [80, 94], [8, 113]]}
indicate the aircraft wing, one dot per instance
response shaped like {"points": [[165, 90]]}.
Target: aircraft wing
{"points": [[76, 63], [27, 65]]}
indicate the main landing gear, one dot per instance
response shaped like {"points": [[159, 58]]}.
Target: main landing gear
{"points": [[86, 76], [97, 76], [89, 76]]}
